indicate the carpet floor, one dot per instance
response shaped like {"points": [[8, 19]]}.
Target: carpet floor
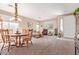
{"points": [[47, 45]]}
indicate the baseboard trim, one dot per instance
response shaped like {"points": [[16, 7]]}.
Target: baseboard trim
{"points": [[68, 38]]}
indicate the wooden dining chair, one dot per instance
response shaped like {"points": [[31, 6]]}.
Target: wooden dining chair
{"points": [[5, 37], [5, 33], [1, 43], [28, 37], [12, 39]]}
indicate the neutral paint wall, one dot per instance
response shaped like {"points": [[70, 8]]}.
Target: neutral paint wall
{"points": [[24, 24], [45, 24], [69, 26]]}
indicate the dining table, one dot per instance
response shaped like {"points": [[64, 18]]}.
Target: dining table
{"points": [[18, 37]]}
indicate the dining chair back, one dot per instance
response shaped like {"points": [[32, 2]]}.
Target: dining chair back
{"points": [[28, 38], [5, 38], [30, 34], [5, 35]]}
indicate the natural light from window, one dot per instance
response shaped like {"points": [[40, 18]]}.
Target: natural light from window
{"points": [[37, 27], [61, 25], [10, 25]]}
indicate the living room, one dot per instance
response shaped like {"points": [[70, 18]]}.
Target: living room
{"points": [[53, 28]]}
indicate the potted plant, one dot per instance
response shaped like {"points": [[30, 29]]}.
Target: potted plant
{"points": [[76, 12]]}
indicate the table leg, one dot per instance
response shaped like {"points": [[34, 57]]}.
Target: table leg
{"points": [[19, 41], [27, 43], [75, 51], [17, 45]]}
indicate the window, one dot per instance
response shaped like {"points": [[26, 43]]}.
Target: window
{"points": [[37, 27], [10, 25], [61, 25]]}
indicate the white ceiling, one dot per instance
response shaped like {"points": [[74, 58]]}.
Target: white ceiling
{"points": [[41, 11]]}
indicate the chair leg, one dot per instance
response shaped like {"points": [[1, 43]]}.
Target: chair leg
{"points": [[27, 43], [2, 48], [23, 42], [31, 43], [9, 47], [75, 51]]}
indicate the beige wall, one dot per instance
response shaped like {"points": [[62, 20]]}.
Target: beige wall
{"points": [[52, 22], [25, 21]]}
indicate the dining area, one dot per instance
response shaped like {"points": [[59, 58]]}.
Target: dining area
{"points": [[11, 34], [18, 39]]}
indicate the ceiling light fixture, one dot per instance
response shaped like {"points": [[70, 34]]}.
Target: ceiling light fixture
{"points": [[16, 17]]}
